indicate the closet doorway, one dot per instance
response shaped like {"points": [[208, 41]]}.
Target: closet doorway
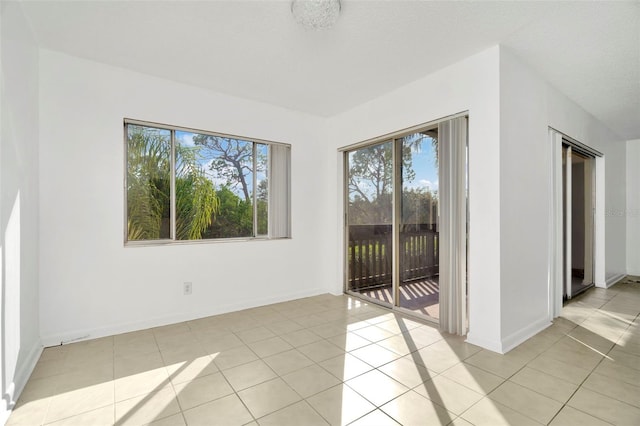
{"points": [[578, 219]]}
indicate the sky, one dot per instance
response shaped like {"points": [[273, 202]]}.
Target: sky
{"points": [[186, 139], [423, 163], [207, 158]]}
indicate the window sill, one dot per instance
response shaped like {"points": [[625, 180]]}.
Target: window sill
{"points": [[161, 243]]}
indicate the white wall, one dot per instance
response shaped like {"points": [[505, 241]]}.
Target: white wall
{"points": [[616, 206], [510, 110], [528, 107], [633, 207], [525, 199], [19, 332], [91, 285], [567, 117], [470, 85]]}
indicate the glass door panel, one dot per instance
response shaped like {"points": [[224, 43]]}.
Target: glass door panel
{"points": [[418, 224], [393, 225], [369, 221]]}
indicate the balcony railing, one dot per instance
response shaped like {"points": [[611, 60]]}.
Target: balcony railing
{"points": [[370, 254]]}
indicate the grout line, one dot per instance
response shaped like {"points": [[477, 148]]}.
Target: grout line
{"points": [[321, 310], [592, 371]]}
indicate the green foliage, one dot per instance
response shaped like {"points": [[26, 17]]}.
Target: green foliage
{"points": [[196, 199], [419, 206], [370, 181], [233, 160], [149, 183], [370, 184], [235, 216], [262, 197], [201, 209], [233, 163]]}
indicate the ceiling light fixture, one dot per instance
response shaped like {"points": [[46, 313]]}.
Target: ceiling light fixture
{"points": [[316, 14]]}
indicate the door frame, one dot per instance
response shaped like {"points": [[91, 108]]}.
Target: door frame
{"points": [[396, 178], [396, 150], [556, 229]]}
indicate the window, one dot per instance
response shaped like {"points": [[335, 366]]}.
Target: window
{"points": [[186, 185]]}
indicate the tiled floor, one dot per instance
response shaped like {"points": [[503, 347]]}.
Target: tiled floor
{"points": [[337, 360]]}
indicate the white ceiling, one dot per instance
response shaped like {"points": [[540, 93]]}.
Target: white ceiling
{"points": [[254, 49]]}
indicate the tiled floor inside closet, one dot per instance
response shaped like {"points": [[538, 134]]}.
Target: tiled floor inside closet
{"points": [[336, 360]]}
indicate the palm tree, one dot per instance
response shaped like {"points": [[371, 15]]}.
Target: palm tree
{"points": [[149, 188]]}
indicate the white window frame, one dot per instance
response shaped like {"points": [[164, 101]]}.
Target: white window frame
{"points": [[284, 193]]}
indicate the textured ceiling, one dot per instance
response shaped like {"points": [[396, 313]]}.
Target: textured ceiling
{"points": [[254, 49]]}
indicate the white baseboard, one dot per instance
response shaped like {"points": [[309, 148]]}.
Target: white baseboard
{"points": [[4, 414], [614, 279], [514, 339], [118, 328], [505, 345], [25, 370], [22, 374], [492, 345]]}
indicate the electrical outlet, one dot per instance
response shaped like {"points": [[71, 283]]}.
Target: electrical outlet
{"points": [[187, 288]]}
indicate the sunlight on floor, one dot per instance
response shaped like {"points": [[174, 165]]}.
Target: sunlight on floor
{"points": [[339, 360]]}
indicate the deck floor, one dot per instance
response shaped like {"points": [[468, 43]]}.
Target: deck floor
{"points": [[421, 296]]}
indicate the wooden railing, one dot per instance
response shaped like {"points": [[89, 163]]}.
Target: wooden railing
{"points": [[370, 254], [369, 259], [418, 252]]}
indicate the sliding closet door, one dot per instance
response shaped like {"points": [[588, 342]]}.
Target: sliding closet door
{"points": [[578, 220], [566, 221]]}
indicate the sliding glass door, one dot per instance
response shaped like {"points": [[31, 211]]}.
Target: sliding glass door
{"points": [[369, 178], [418, 224], [578, 220], [396, 251]]}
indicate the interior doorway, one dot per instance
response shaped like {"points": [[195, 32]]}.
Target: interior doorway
{"points": [[578, 219]]}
